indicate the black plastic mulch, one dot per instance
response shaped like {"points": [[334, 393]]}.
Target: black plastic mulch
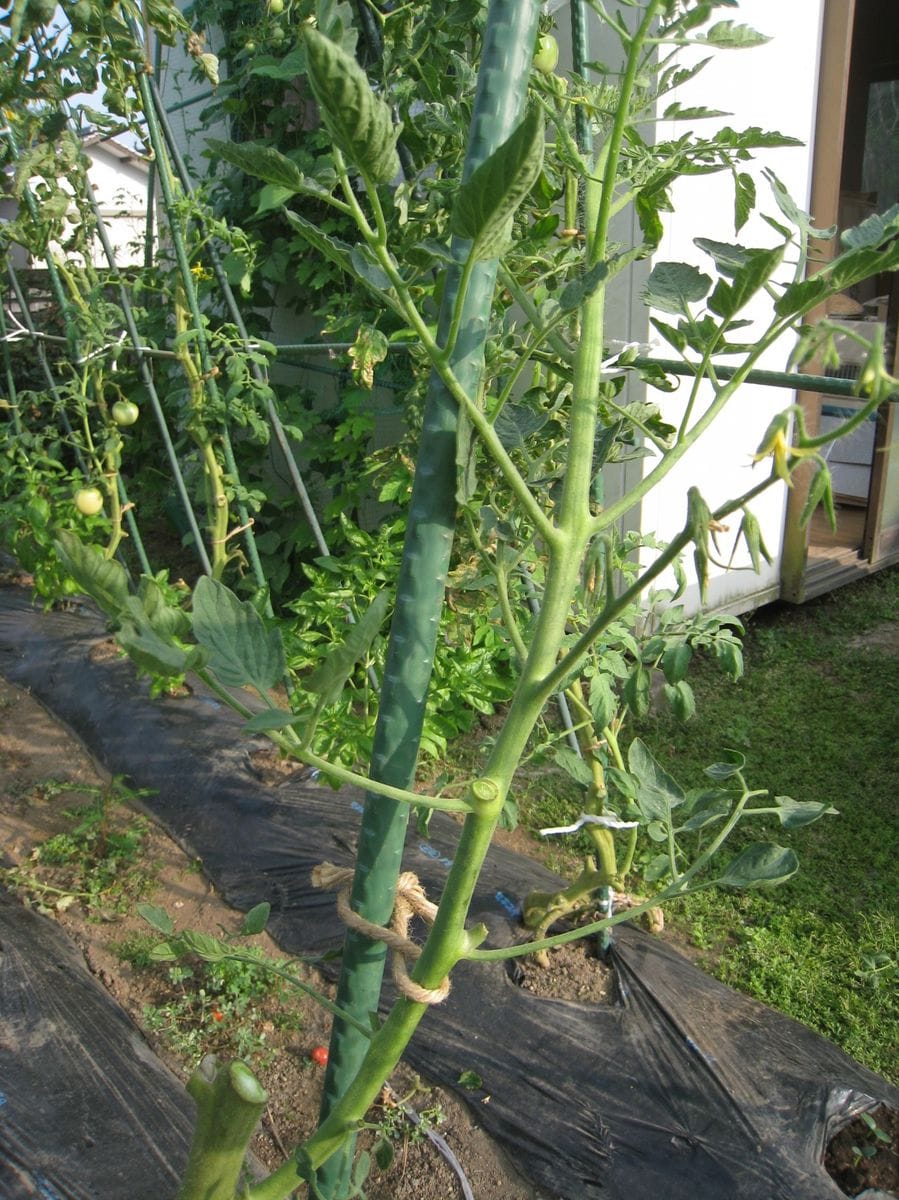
{"points": [[682, 1089]]}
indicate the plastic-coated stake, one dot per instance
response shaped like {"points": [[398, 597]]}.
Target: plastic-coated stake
{"points": [[72, 340], [237, 317], [166, 180], [149, 384], [10, 381], [502, 84], [580, 43], [28, 321], [795, 381]]}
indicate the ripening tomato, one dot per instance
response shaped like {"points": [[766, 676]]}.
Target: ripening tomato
{"points": [[547, 53], [319, 1055], [89, 501], [125, 412]]}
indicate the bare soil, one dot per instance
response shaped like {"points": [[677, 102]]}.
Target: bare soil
{"points": [[858, 1160], [36, 752], [574, 972]]}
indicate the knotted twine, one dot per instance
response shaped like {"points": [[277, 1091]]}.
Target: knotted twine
{"points": [[410, 901]]}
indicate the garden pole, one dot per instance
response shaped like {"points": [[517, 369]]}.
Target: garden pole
{"points": [[499, 102], [150, 221], [167, 187], [12, 404], [580, 44], [237, 317], [28, 322], [793, 380], [155, 403]]}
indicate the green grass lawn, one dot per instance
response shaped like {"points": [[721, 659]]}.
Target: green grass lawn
{"points": [[817, 717]]}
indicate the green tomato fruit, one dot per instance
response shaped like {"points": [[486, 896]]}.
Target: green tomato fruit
{"points": [[82, 15], [125, 412], [277, 34], [89, 501], [249, 47], [276, 7], [40, 12], [547, 54]]}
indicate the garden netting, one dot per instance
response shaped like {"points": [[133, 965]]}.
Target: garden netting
{"points": [[681, 1087]]}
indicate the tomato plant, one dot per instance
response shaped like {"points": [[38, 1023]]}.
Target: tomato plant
{"points": [[523, 419]]}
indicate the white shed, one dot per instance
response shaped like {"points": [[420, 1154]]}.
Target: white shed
{"points": [[119, 177], [829, 75]]}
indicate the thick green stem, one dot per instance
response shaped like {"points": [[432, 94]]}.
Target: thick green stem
{"points": [[229, 1103]]}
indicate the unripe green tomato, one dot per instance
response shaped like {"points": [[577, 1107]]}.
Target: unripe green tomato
{"points": [[125, 412], [89, 501], [547, 53], [277, 34], [40, 12], [82, 14], [249, 47], [276, 7]]}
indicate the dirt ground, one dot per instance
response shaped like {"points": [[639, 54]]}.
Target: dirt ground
{"points": [[36, 754]]}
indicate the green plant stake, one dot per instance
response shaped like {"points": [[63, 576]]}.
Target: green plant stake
{"points": [[502, 85]]}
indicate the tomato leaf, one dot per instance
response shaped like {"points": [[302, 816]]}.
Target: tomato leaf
{"points": [[603, 701], [273, 718], [359, 122], [241, 649], [676, 661], [657, 792], [794, 813], [268, 164], [680, 697], [728, 35], [761, 865], [256, 919], [574, 766], [327, 682], [103, 579], [157, 917], [209, 948], [673, 287], [150, 653], [488, 200], [636, 692], [166, 619]]}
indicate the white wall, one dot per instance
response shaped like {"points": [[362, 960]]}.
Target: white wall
{"points": [[773, 86], [119, 178]]}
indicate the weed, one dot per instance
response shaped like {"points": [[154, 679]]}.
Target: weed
{"points": [[400, 1123], [825, 951], [228, 1007], [98, 862], [136, 950], [873, 1144]]}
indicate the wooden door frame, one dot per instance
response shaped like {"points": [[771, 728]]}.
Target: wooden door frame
{"points": [[827, 161]]}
